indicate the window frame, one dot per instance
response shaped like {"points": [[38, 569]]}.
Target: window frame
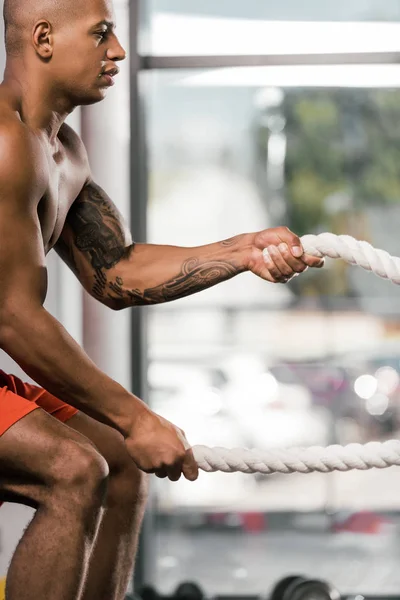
{"points": [[142, 63]]}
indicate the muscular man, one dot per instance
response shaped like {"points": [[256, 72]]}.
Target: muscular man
{"points": [[77, 447]]}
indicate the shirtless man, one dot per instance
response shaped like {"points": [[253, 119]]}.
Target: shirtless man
{"points": [[76, 448]]}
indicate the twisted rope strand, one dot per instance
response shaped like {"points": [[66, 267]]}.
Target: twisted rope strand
{"points": [[333, 458], [354, 252], [300, 460]]}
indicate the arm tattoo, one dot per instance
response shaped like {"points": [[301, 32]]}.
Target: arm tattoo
{"points": [[66, 253], [96, 224], [193, 278], [97, 231], [230, 242]]}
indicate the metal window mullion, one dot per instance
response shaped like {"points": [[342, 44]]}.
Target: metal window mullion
{"points": [[267, 60], [139, 198]]}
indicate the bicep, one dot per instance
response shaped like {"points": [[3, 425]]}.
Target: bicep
{"points": [[95, 236]]}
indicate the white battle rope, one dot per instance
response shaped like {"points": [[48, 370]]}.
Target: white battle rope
{"points": [[299, 460], [316, 458], [354, 252]]}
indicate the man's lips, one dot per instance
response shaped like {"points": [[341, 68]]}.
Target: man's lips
{"points": [[109, 75], [108, 78]]}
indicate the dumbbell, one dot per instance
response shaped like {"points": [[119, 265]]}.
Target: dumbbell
{"points": [[149, 593], [296, 587], [189, 591], [314, 589], [282, 589], [185, 591]]}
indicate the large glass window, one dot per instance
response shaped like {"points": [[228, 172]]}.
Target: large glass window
{"points": [[251, 364], [235, 27]]}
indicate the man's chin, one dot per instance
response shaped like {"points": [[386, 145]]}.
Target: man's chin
{"points": [[94, 98]]}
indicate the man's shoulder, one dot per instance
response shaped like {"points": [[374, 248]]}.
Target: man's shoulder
{"points": [[17, 144], [13, 132], [21, 161]]}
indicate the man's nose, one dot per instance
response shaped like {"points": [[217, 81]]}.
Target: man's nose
{"points": [[116, 52]]}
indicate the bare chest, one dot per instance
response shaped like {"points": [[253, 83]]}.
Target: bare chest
{"points": [[65, 181]]}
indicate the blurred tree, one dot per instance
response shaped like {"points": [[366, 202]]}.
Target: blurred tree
{"points": [[342, 155], [340, 144]]}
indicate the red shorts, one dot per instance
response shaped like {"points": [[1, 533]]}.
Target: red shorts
{"points": [[17, 399]]}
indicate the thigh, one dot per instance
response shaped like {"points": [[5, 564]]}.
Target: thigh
{"points": [[108, 441], [18, 398], [124, 474], [32, 451], [42, 398]]}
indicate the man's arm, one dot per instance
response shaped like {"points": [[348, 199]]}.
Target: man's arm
{"points": [[98, 247], [39, 343], [28, 333]]}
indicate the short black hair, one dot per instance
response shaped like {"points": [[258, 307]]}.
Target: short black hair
{"points": [[12, 17], [20, 15]]}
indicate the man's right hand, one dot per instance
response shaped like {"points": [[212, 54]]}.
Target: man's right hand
{"points": [[158, 447]]}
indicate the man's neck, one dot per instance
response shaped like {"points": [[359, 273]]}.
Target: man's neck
{"points": [[40, 108]]}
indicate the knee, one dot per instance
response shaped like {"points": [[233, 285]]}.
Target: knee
{"points": [[80, 473], [128, 486]]}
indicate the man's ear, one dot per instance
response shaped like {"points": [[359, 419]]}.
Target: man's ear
{"points": [[42, 39]]}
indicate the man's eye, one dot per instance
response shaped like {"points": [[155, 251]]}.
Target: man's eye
{"points": [[102, 34]]}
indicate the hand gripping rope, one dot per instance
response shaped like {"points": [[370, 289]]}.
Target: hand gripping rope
{"points": [[316, 458]]}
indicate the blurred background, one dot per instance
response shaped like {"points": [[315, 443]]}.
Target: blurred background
{"points": [[233, 117]]}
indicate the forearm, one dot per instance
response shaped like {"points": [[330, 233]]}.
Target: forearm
{"points": [[152, 274], [48, 354]]}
